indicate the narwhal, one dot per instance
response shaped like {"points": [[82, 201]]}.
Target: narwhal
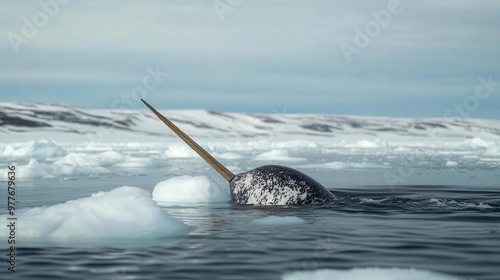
{"points": [[265, 185]]}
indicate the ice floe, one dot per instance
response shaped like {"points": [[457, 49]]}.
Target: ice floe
{"points": [[368, 273], [182, 190], [122, 214]]}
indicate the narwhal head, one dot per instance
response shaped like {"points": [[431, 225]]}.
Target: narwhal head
{"points": [[277, 185], [265, 185]]}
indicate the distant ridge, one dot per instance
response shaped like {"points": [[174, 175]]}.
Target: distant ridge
{"points": [[24, 121]]}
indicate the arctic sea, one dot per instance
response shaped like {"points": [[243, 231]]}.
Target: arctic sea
{"points": [[438, 223], [112, 195]]}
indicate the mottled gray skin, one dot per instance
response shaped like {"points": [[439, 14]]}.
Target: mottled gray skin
{"points": [[277, 185]]}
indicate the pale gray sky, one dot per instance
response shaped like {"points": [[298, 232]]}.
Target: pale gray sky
{"points": [[256, 55]]}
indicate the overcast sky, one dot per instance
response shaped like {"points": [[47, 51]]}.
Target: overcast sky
{"points": [[265, 56]]}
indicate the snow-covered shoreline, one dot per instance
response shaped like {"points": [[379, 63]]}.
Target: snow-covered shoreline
{"points": [[53, 141], [22, 122]]}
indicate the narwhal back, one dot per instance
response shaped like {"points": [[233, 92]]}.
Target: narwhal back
{"points": [[277, 185]]}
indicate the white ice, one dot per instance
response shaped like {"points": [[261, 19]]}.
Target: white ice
{"points": [[34, 169], [49, 159], [277, 155], [33, 149], [122, 214], [455, 205], [189, 190], [66, 148], [368, 273], [279, 220], [451, 163], [180, 151], [336, 165], [103, 159], [363, 144]]}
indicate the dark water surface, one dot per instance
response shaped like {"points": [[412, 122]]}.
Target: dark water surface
{"points": [[452, 229]]}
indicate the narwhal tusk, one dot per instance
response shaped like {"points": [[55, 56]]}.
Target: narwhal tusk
{"points": [[228, 175]]}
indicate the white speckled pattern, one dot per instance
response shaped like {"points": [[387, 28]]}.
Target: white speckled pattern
{"points": [[277, 185]]}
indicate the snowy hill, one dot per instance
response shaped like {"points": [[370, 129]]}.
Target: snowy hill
{"points": [[53, 141], [24, 122]]}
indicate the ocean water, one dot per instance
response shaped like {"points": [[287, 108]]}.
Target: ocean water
{"points": [[434, 217]]}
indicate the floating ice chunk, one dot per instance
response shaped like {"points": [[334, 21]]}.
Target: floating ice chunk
{"points": [[30, 170], [337, 165], [450, 163], [180, 151], [94, 147], [363, 144], [279, 221], [34, 169], [228, 155], [402, 149], [35, 149], [296, 144], [492, 150], [122, 214], [7, 150], [189, 190], [108, 158], [482, 206], [490, 159], [478, 142], [469, 157], [277, 155], [135, 162], [328, 165], [438, 202], [367, 273], [46, 149]]}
